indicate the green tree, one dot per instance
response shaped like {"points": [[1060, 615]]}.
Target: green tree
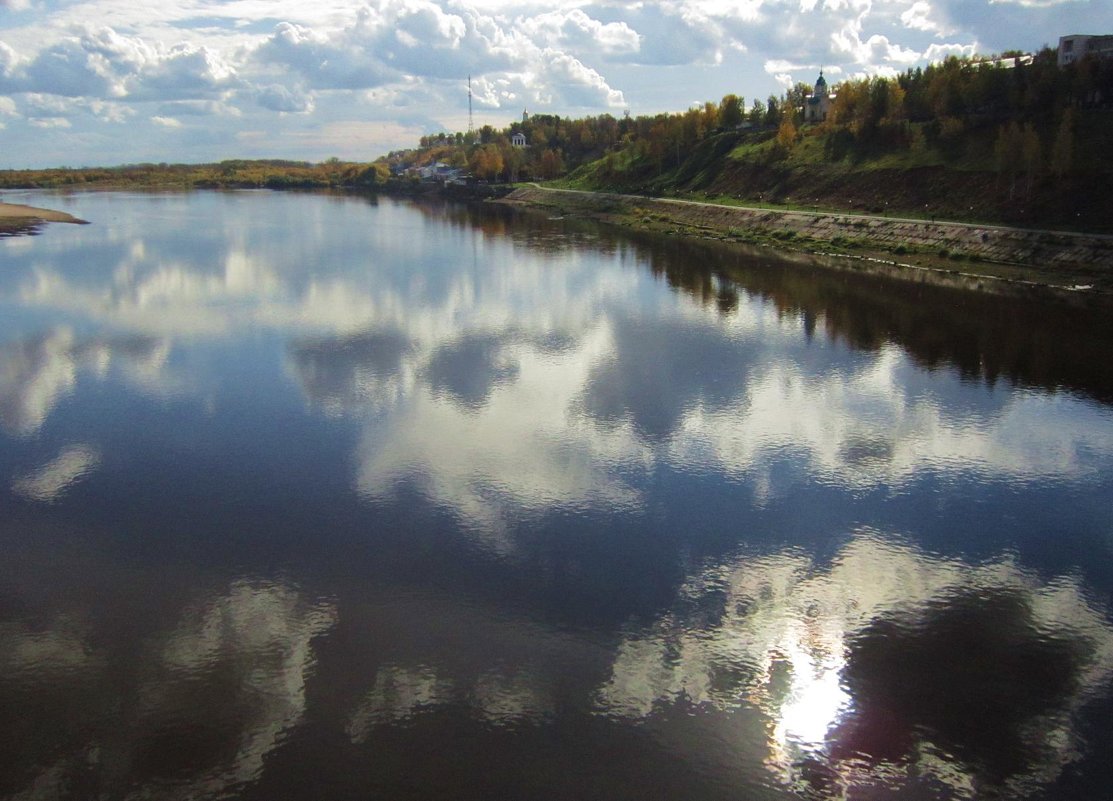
{"points": [[731, 111], [757, 113], [772, 111]]}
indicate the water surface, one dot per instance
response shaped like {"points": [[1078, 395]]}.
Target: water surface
{"points": [[324, 497]]}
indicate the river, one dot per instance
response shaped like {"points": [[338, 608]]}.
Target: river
{"points": [[315, 496]]}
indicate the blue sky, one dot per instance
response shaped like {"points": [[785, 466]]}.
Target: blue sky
{"points": [[115, 81]]}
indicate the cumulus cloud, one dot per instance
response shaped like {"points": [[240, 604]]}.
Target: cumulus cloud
{"points": [[576, 84], [107, 65], [280, 98], [676, 34], [8, 60], [325, 63], [414, 43], [395, 39], [919, 16], [186, 71], [61, 109], [166, 122], [98, 63], [938, 52], [576, 30], [877, 51], [252, 61]]}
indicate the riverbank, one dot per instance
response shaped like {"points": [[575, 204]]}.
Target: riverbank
{"points": [[19, 219], [978, 256]]}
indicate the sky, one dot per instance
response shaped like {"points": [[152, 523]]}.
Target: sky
{"points": [[108, 82]]}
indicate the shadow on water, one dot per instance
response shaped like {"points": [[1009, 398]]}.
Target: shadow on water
{"points": [[1028, 339], [974, 677]]}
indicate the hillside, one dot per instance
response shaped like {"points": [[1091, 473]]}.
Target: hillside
{"points": [[923, 176]]}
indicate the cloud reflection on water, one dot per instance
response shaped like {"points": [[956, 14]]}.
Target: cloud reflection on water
{"points": [[450, 348], [887, 662], [527, 386], [885, 668], [194, 717], [559, 430], [38, 372], [49, 481]]}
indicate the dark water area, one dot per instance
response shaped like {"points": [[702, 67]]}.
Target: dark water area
{"points": [[310, 496]]}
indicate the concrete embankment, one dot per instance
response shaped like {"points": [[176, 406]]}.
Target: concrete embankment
{"points": [[1081, 262]]}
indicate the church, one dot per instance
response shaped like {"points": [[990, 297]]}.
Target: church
{"points": [[818, 103]]}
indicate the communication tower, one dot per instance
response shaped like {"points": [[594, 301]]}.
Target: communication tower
{"points": [[471, 119]]}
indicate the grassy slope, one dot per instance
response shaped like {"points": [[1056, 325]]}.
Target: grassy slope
{"points": [[956, 180]]}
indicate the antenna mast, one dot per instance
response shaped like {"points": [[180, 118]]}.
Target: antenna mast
{"points": [[471, 119]]}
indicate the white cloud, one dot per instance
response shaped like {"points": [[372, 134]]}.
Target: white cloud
{"points": [[50, 122], [576, 30], [65, 109], [280, 98], [919, 17], [246, 61], [186, 71], [323, 63], [874, 53], [938, 52], [1034, 3], [565, 77], [166, 122], [99, 63], [678, 34], [9, 60], [774, 66], [197, 108], [108, 111]]}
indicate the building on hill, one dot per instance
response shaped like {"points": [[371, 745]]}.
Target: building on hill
{"points": [[1004, 62], [518, 139], [1074, 47], [818, 103]]}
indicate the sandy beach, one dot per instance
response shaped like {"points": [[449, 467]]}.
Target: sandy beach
{"points": [[15, 218]]}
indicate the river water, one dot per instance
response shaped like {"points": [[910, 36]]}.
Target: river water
{"points": [[319, 497]]}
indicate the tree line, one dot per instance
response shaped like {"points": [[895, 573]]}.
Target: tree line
{"points": [[1030, 107], [1030, 102]]}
